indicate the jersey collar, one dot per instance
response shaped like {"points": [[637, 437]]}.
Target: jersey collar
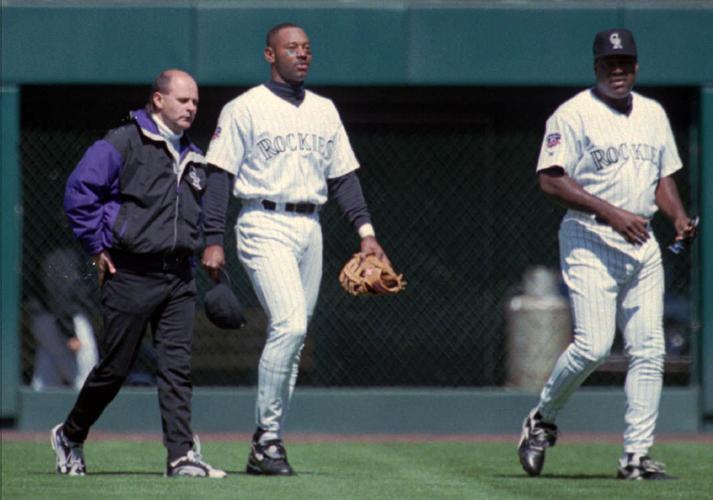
{"points": [[624, 108], [294, 94]]}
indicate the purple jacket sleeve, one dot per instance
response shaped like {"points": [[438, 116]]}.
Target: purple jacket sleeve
{"points": [[91, 196]]}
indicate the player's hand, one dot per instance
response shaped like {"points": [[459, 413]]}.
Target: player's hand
{"points": [[213, 260], [634, 228], [686, 228], [369, 246], [74, 344], [104, 264]]}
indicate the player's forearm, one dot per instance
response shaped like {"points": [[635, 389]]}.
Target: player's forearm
{"points": [[215, 205], [567, 192], [347, 193], [668, 200]]}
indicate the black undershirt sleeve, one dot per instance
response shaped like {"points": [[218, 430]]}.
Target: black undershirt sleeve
{"points": [[215, 204], [346, 191]]}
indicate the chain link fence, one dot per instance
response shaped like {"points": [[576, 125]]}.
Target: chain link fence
{"points": [[449, 177]]}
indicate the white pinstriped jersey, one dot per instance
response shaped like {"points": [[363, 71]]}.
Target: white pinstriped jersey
{"points": [[612, 282], [616, 157], [278, 151]]}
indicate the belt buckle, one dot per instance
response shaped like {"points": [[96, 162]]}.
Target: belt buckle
{"points": [[170, 261]]}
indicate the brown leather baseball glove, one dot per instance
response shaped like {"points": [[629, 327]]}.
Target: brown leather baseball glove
{"points": [[363, 275]]}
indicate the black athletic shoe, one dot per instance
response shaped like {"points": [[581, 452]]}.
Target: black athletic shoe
{"points": [[192, 465], [536, 436], [268, 458], [641, 467], [69, 455]]}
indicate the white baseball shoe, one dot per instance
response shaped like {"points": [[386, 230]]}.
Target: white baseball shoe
{"points": [[69, 454], [192, 465], [639, 467]]}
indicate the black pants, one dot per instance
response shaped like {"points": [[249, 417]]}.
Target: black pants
{"points": [[133, 298]]}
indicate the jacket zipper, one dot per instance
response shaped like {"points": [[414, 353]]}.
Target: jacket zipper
{"points": [[178, 200], [175, 225]]}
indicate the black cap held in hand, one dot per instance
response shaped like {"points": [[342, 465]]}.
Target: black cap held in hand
{"points": [[223, 308], [614, 42]]}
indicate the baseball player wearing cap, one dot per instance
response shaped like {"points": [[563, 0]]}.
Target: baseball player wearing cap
{"points": [[288, 152], [608, 155]]}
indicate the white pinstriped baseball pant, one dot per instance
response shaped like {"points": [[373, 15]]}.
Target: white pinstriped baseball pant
{"points": [[612, 283], [282, 255]]}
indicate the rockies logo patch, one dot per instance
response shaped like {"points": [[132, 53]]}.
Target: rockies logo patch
{"points": [[553, 140], [195, 180]]}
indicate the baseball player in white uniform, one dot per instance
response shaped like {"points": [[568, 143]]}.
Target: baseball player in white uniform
{"points": [[288, 152], [608, 155]]}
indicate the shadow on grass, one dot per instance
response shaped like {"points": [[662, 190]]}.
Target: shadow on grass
{"points": [[241, 472], [578, 477], [269, 476], [106, 473]]}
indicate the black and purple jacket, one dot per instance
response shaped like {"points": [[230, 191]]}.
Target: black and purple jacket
{"points": [[127, 193]]}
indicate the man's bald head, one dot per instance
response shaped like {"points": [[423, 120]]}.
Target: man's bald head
{"points": [[162, 84], [174, 97]]}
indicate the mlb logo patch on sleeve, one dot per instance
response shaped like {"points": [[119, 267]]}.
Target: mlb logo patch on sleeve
{"points": [[216, 134], [553, 140]]}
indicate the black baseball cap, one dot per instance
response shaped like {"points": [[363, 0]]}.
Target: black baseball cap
{"points": [[223, 308], [614, 42]]}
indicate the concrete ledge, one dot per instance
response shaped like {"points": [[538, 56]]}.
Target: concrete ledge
{"points": [[368, 411]]}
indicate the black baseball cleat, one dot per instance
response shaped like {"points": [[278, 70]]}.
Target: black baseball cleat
{"points": [[536, 436], [638, 467], [268, 458]]}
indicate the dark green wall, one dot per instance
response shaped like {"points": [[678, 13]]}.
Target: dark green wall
{"points": [[356, 43], [369, 411], [706, 350], [10, 263], [389, 42]]}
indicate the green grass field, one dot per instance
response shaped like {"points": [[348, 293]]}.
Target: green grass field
{"points": [[357, 470]]}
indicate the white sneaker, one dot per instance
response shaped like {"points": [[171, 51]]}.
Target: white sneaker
{"points": [[70, 455], [192, 465], [639, 467]]}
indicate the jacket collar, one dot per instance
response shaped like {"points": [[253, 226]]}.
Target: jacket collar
{"points": [[149, 129]]}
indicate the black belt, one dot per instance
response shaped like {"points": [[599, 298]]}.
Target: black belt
{"points": [[300, 208], [600, 220], [143, 262]]}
